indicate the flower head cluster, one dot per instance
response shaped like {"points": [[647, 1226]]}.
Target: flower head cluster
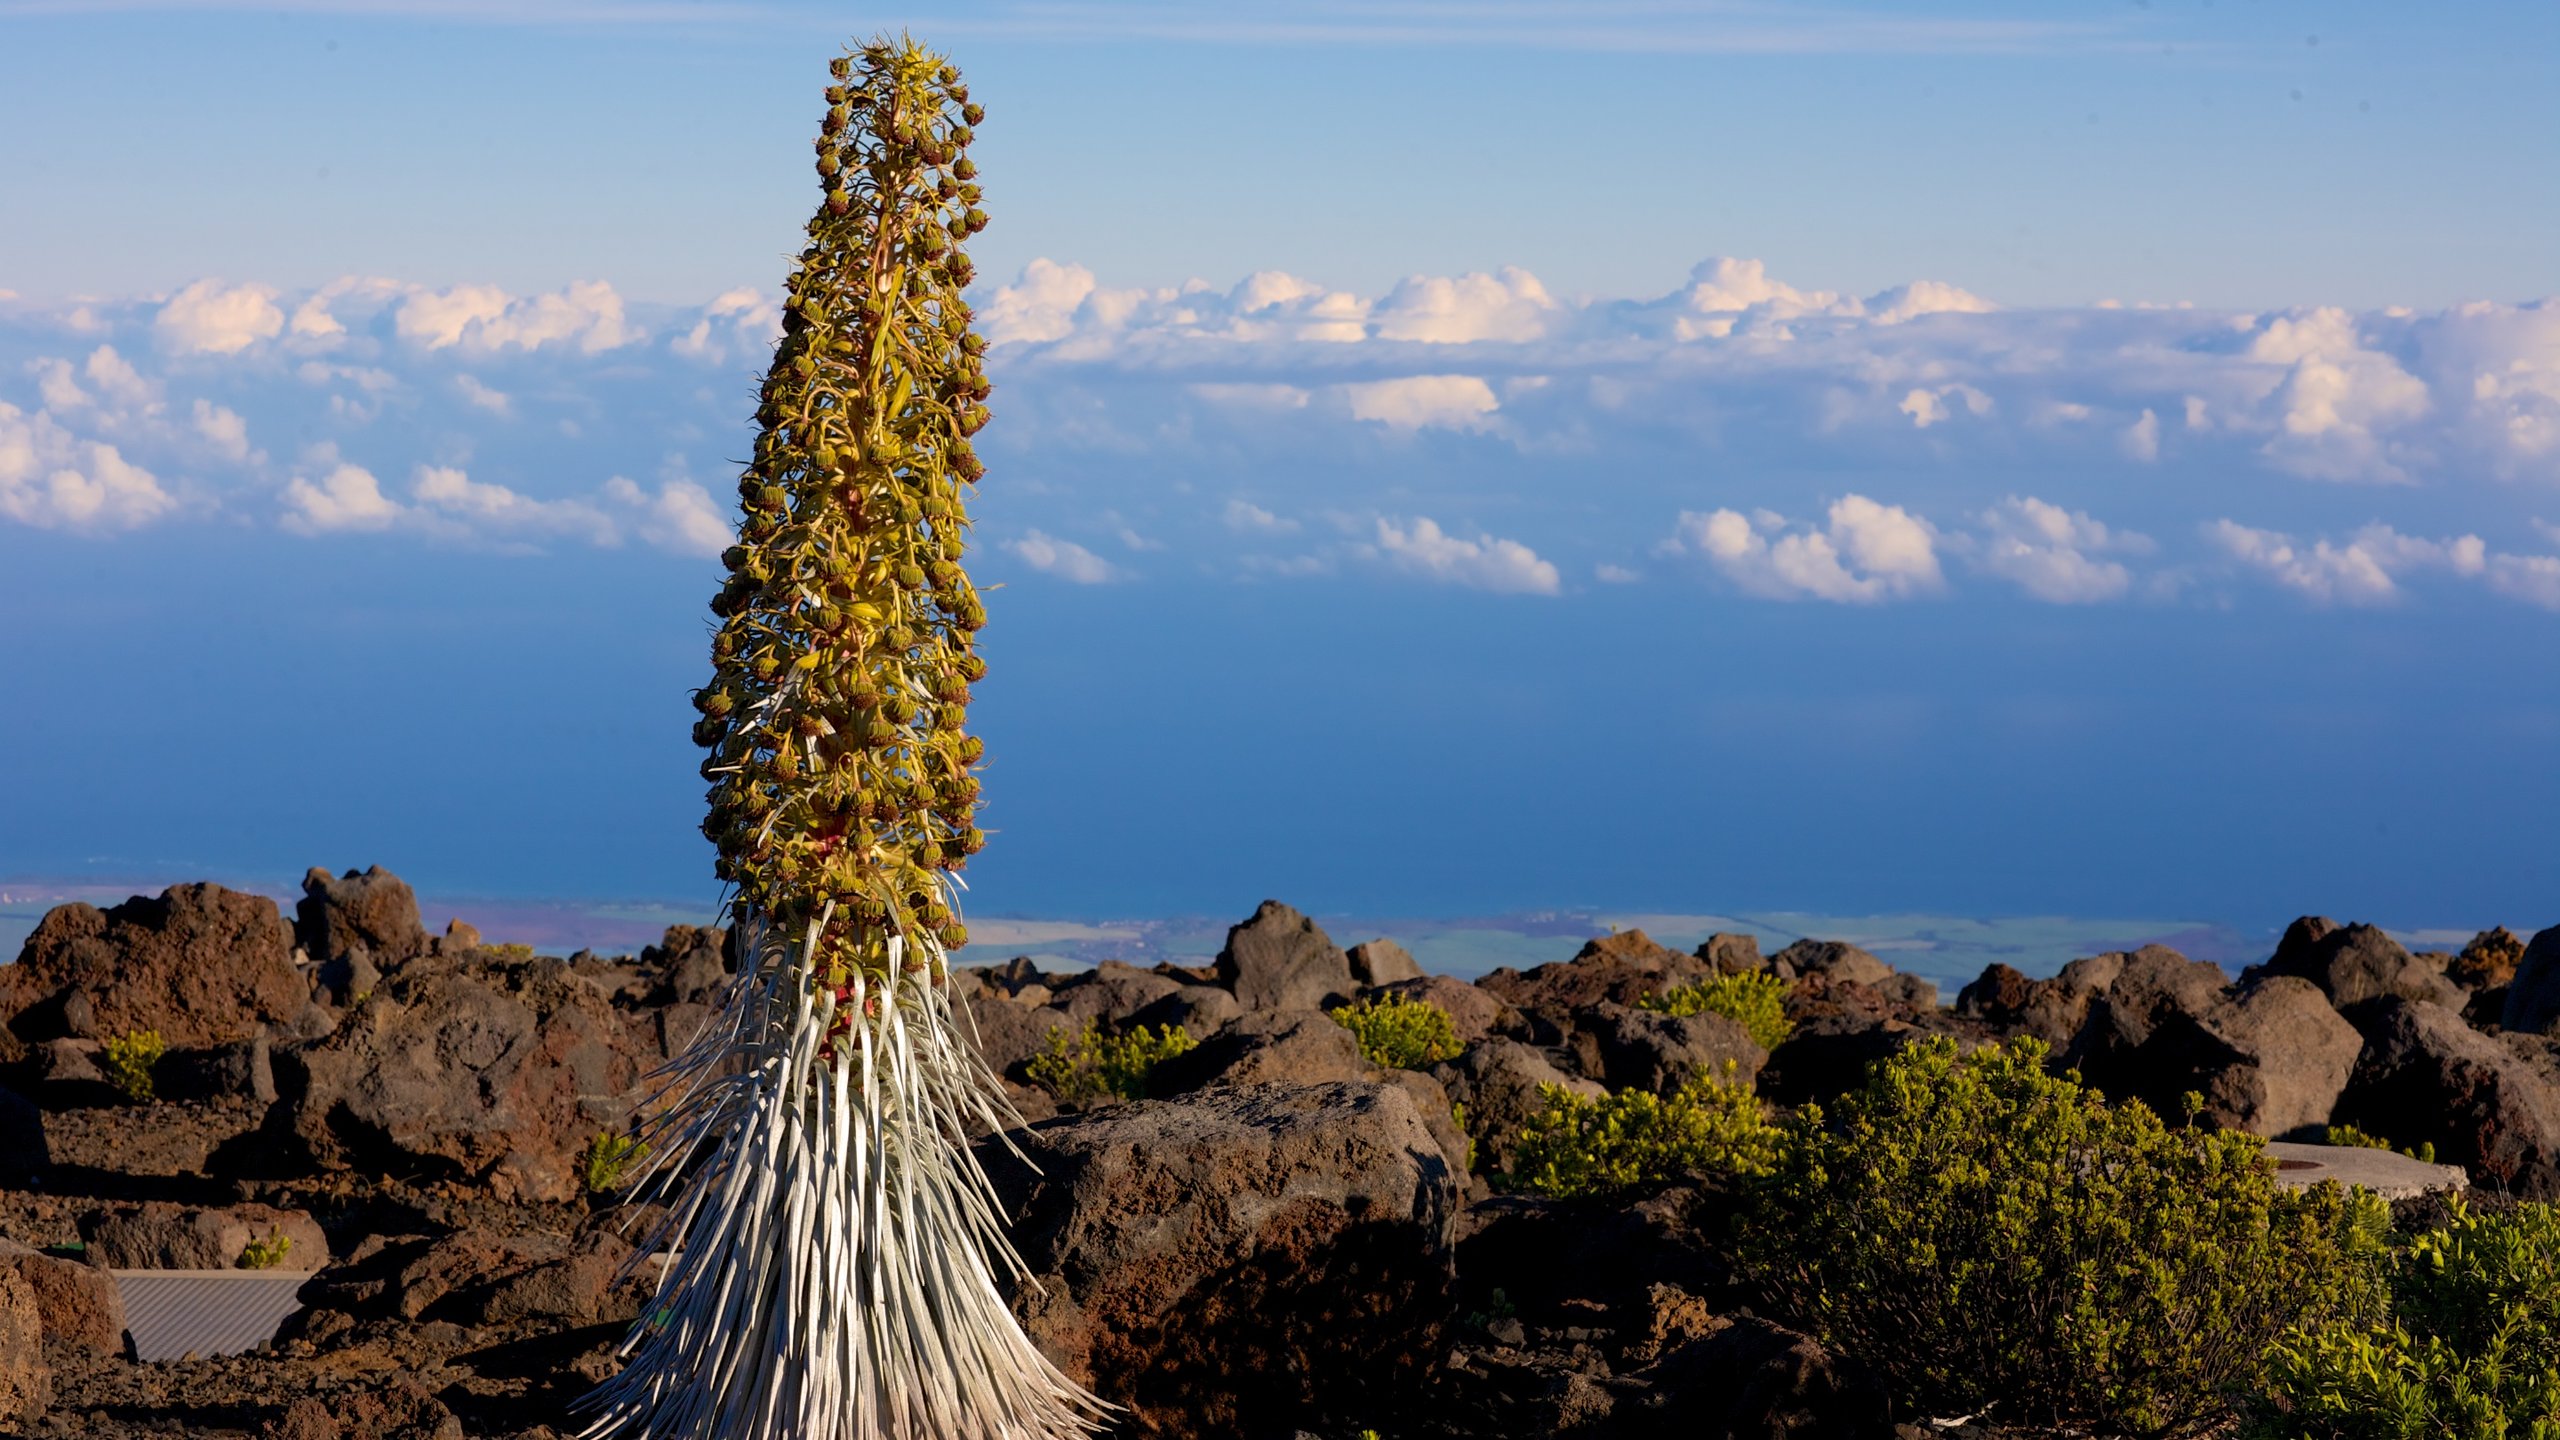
{"points": [[842, 783]]}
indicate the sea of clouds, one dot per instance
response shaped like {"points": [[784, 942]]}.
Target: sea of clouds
{"points": [[1739, 432]]}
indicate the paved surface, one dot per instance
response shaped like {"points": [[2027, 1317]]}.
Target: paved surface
{"points": [[175, 1313], [2386, 1173]]}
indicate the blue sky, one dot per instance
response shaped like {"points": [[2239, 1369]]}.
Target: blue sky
{"points": [[1449, 459]]}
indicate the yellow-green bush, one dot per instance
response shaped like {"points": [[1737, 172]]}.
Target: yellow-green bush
{"points": [[1400, 1033], [269, 1253], [1579, 1145], [130, 1058], [2350, 1135], [1756, 1000], [1084, 1065], [2471, 1352], [1993, 1239], [610, 1156]]}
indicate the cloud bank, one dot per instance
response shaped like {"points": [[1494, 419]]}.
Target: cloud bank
{"points": [[1741, 432]]}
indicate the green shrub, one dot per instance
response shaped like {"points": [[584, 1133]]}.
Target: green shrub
{"points": [[130, 1058], [1992, 1239], [2350, 1135], [1757, 1001], [269, 1253], [2472, 1350], [1400, 1033], [609, 1157], [1578, 1145], [1083, 1066]]}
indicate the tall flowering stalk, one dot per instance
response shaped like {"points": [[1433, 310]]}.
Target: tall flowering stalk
{"points": [[833, 1243]]}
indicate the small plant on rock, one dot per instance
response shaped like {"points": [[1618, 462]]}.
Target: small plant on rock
{"points": [[269, 1253], [2350, 1135], [610, 1156], [1994, 1239], [1082, 1066], [2472, 1349], [1399, 1032], [130, 1060], [1578, 1145], [1755, 1000]]}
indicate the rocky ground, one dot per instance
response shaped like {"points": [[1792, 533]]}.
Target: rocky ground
{"points": [[1280, 1239]]}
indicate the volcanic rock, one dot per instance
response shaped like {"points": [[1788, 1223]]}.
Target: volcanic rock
{"points": [[1281, 960], [1648, 1050], [2533, 997], [199, 964], [1243, 1261], [2485, 1103], [1382, 962], [26, 1383], [1835, 958], [159, 1235], [77, 1305], [2268, 1057], [1474, 1012], [1500, 1083], [2355, 963], [1729, 954], [1266, 1046], [502, 1070], [372, 911]]}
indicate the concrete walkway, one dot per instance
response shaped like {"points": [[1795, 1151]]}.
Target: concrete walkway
{"points": [[2386, 1173]]}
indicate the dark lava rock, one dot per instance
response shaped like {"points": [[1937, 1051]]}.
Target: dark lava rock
{"points": [[1286, 1046], [1111, 992], [2269, 1057], [1382, 962], [2533, 997], [1647, 1050], [1009, 1033], [1473, 1011], [370, 911], [77, 1306], [160, 1235], [1500, 1083], [496, 1070], [1755, 1378], [1244, 1261], [1623, 969], [2485, 1104], [26, 1382], [1281, 960], [1194, 1009], [1835, 958], [1729, 954], [199, 964], [2354, 963], [2051, 1010]]}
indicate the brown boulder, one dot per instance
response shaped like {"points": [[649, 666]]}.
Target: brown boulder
{"points": [[1730, 954], [1836, 958], [2269, 1057], [1629, 1048], [499, 1070], [160, 1235], [2488, 1104], [369, 911], [26, 1384], [2533, 997], [1243, 1261], [1623, 969], [2355, 963], [200, 964], [1281, 960], [1473, 1011], [1112, 992], [1756, 1378], [1501, 1083], [1382, 962], [1296, 1047], [78, 1305]]}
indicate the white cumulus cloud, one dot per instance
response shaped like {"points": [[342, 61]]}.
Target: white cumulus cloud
{"points": [[1063, 558], [1867, 552], [2364, 569], [1417, 402], [2053, 554], [54, 480], [211, 318], [1421, 547]]}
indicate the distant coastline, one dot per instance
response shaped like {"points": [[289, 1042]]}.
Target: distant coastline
{"points": [[1949, 949]]}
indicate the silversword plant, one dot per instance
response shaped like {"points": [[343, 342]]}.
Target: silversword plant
{"points": [[833, 1247]]}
